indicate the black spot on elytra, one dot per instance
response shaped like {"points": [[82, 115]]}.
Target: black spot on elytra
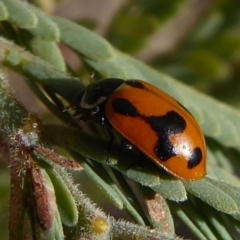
{"points": [[134, 83], [164, 149], [170, 123], [124, 107], [165, 126], [196, 158]]}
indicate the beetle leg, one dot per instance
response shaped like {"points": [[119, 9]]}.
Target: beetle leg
{"points": [[126, 146]]}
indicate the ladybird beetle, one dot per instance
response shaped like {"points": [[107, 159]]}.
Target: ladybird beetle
{"points": [[151, 120]]}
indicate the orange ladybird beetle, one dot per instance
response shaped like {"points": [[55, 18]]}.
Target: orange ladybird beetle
{"points": [[151, 120]]}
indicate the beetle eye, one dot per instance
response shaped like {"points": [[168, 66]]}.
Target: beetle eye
{"points": [[95, 110]]}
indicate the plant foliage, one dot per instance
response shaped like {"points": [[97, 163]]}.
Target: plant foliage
{"points": [[45, 201]]}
